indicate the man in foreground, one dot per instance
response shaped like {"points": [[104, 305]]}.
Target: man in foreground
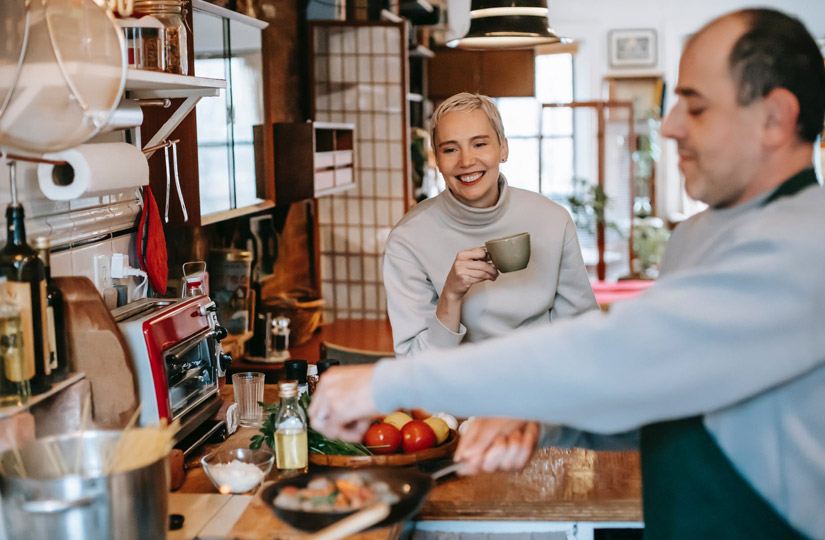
{"points": [[721, 364]]}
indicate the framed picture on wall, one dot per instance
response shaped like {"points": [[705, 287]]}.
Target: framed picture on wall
{"points": [[632, 47]]}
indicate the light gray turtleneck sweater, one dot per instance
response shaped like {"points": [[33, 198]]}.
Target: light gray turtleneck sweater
{"points": [[422, 248]]}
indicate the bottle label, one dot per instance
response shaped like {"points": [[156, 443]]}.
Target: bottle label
{"points": [[52, 334], [19, 294], [11, 349], [44, 329]]}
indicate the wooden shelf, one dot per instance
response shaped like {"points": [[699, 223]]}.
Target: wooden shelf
{"points": [[313, 160], [6, 412]]}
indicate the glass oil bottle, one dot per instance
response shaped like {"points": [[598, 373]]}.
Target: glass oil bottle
{"points": [[291, 453]]}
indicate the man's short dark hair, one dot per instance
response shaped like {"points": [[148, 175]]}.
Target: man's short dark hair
{"points": [[778, 52]]}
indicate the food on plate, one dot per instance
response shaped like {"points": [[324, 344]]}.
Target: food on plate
{"points": [[383, 438], [398, 419], [386, 437], [348, 492], [417, 436], [322, 445], [440, 428], [452, 423]]}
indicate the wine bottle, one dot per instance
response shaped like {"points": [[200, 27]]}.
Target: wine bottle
{"points": [[26, 288], [15, 381], [55, 316]]}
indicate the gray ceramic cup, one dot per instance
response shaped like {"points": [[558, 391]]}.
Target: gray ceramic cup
{"points": [[510, 253]]}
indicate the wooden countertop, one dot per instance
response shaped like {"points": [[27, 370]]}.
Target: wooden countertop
{"points": [[557, 485], [365, 334]]}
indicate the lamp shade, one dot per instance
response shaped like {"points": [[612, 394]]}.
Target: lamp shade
{"points": [[507, 24]]}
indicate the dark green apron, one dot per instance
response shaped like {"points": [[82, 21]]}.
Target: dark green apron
{"points": [[691, 491]]}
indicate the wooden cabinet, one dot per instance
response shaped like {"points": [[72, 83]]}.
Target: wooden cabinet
{"points": [[492, 73], [312, 159]]}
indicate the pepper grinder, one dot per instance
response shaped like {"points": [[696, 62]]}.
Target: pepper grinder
{"points": [[279, 341], [297, 370]]}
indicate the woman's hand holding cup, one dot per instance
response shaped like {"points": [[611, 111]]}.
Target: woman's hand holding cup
{"points": [[471, 266]]}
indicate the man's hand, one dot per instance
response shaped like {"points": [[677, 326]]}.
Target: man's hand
{"points": [[342, 404], [497, 444]]}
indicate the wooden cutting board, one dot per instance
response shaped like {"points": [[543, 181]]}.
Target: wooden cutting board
{"points": [[206, 515], [98, 349], [259, 523]]}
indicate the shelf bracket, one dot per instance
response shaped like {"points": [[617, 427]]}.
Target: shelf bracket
{"points": [[191, 99]]}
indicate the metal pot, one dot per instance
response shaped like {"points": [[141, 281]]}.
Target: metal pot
{"points": [[65, 495]]}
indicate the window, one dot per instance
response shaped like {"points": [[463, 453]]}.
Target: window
{"points": [[541, 140]]}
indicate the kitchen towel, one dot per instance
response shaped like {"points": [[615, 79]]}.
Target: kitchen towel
{"points": [[92, 168]]}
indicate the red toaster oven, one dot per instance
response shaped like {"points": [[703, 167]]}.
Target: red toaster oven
{"points": [[176, 352]]}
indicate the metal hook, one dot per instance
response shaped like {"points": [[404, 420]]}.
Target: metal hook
{"points": [[168, 184], [177, 181]]}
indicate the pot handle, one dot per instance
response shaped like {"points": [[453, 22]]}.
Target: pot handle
{"points": [[355, 523], [54, 506]]}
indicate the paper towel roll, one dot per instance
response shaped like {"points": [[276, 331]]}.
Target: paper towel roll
{"points": [[92, 168]]}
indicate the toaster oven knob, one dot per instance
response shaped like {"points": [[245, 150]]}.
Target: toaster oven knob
{"points": [[220, 333], [208, 308], [225, 360]]}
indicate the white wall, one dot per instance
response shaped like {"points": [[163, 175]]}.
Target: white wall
{"points": [[589, 21]]}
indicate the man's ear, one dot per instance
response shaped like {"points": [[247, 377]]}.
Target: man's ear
{"points": [[781, 114], [505, 150]]}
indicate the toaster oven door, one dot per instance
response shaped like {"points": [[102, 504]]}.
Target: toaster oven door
{"points": [[191, 372]]}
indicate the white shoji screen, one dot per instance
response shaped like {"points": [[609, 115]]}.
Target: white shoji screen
{"points": [[361, 76]]}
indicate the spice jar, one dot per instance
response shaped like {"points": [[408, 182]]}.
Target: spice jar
{"points": [[144, 43], [172, 15]]}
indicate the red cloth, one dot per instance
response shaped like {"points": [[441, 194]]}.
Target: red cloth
{"points": [[151, 244], [609, 292]]}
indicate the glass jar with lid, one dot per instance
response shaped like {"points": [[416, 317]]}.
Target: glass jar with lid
{"points": [[172, 15]]}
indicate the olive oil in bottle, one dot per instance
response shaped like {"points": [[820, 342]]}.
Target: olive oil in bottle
{"points": [[55, 320], [291, 453], [26, 288], [15, 375]]}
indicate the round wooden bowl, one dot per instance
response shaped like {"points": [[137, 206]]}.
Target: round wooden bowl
{"points": [[443, 450]]}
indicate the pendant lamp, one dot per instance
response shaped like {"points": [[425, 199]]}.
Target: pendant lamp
{"points": [[507, 24]]}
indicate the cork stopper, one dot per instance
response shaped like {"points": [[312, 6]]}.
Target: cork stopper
{"points": [[288, 389]]}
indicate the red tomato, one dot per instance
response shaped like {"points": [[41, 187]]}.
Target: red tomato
{"points": [[382, 438], [417, 436]]}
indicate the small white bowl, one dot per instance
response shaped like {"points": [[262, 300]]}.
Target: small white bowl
{"points": [[239, 470]]}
